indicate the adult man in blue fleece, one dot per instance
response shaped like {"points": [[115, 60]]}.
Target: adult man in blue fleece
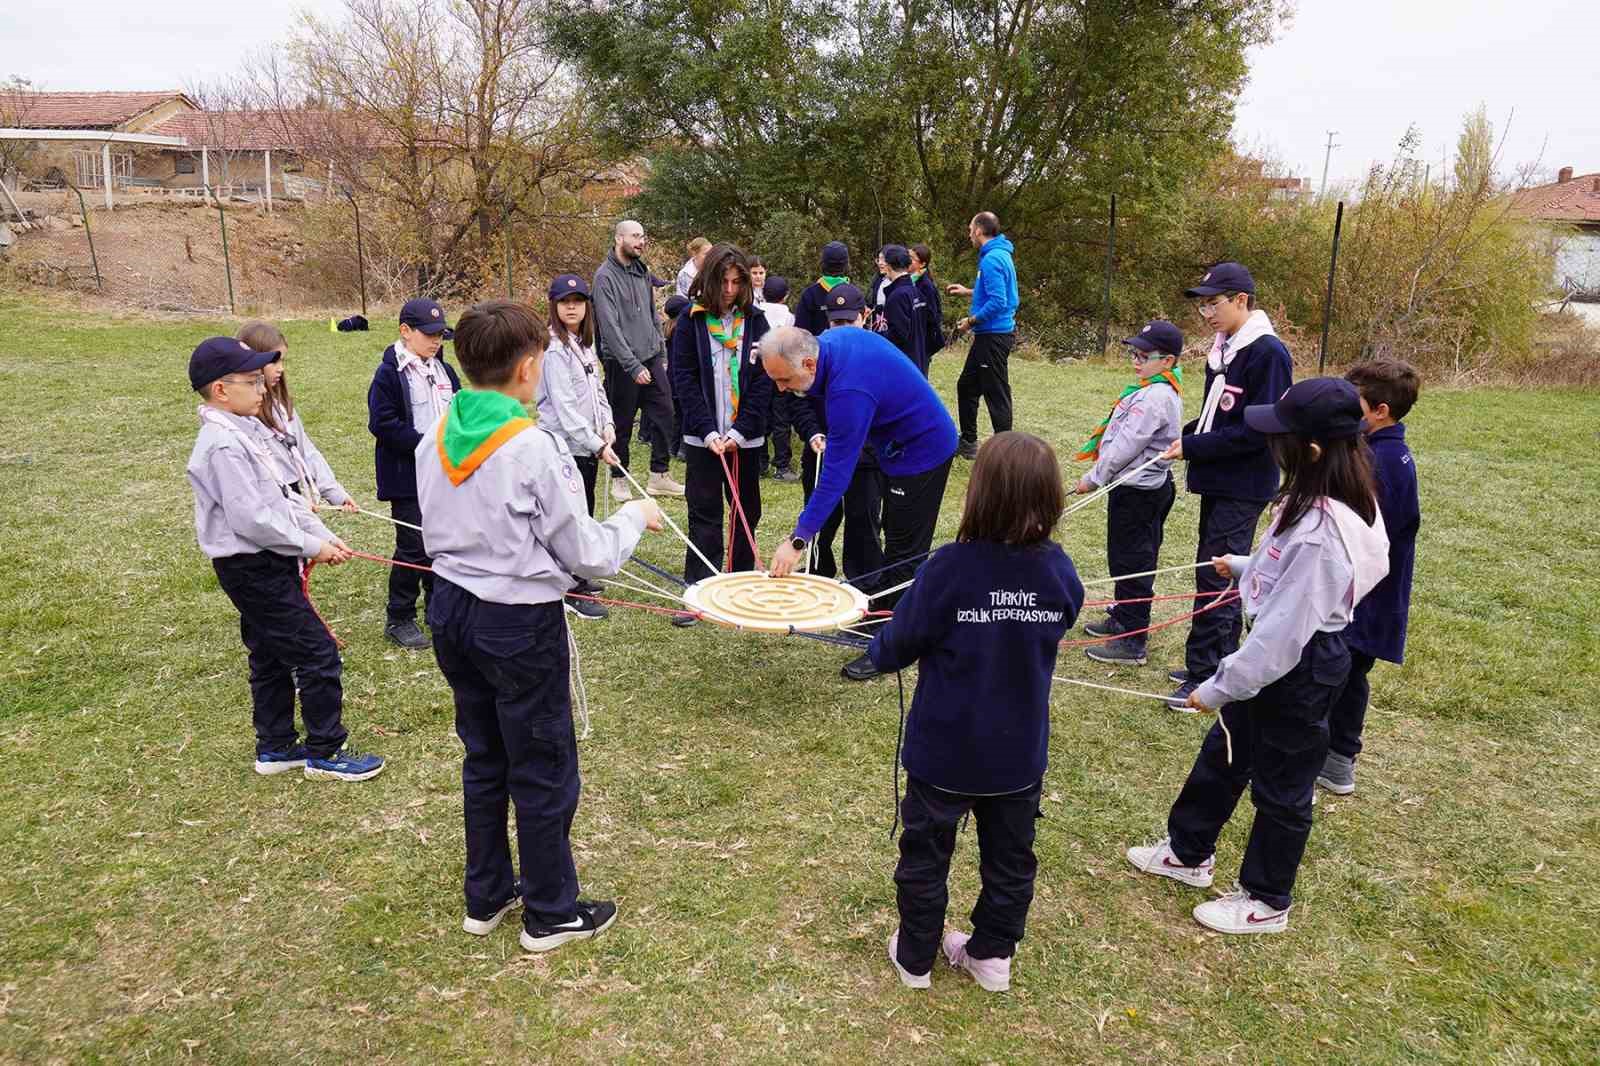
{"points": [[870, 393], [993, 324]]}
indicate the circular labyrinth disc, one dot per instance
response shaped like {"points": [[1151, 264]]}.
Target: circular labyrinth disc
{"points": [[753, 600]]}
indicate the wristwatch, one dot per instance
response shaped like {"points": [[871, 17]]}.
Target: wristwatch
{"points": [[798, 543]]}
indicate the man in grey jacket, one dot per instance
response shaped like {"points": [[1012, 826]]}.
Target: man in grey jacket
{"points": [[634, 357]]}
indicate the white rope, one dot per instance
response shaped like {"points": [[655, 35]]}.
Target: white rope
{"points": [[1226, 736], [1147, 573], [374, 514], [870, 621], [1093, 496], [893, 589], [713, 567], [578, 686], [640, 590]]}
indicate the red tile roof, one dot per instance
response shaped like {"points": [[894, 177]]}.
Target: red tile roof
{"points": [[256, 131], [1574, 200], [80, 111]]}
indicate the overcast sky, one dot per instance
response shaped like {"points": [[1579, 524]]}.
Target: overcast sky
{"points": [[1367, 68]]}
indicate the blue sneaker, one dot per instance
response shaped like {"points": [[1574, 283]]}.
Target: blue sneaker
{"points": [[278, 762], [346, 764]]}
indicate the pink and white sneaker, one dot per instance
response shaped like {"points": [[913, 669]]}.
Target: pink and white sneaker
{"points": [[1236, 912], [992, 975], [1160, 860], [907, 978]]}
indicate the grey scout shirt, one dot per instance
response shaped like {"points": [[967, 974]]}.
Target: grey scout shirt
{"points": [[571, 402], [625, 314], [293, 449], [1142, 426], [518, 528], [240, 505], [1299, 582]]}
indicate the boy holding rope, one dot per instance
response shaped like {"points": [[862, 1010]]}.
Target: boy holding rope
{"points": [[255, 535], [504, 512], [1143, 422]]}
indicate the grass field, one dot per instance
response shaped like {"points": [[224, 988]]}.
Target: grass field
{"points": [[160, 902]]}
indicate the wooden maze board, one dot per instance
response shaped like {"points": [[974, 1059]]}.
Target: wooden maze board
{"points": [[753, 600]]}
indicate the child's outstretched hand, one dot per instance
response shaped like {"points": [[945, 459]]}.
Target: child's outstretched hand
{"points": [[650, 509], [1174, 450], [334, 551], [608, 456], [1220, 565], [349, 507], [1194, 701], [1085, 486]]}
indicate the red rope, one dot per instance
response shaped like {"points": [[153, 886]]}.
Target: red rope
{"points": [[732, 474], [305, 590], [1215, 603]]}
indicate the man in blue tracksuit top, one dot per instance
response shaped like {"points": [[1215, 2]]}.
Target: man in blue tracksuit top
{"points": [[993, 324], [871, 394]]}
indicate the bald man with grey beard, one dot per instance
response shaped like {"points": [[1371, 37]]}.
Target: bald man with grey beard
{"points": [[634, 357]]}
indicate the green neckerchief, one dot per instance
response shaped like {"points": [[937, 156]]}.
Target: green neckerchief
{"points": [[477, 422], [828, 281], [1091, 447], [916, 277], [729, 333]]}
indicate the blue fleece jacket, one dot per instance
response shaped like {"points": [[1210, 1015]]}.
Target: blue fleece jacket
{"points": [[872, 394], [984, 621], [1379, 627], [994, 294]]}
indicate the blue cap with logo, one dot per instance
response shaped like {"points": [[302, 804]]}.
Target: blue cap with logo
{"points": [[844, 302], [1320, 408], [564, 285], [675, 305], [217, 357], [1224, 277], [1158, 336], [426, 316], [775, 289]]}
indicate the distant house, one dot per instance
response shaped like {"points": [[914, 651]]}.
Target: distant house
{"points": [[162, 141], [1570, 208]]}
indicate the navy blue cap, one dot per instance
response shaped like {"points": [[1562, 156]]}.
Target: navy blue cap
{"points": [[897, 256], [424, 315], [1321, 408], [217, 357], [835, 258], [564, 285], [1158, 336], [1224, 277], [844, 302], [775, 289], [675, 305]]}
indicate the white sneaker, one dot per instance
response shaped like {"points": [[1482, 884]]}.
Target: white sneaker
{"points": [[485, 926], [992, 975], [1159, 859], [620, 491], [663, 485], [907, 978], [1236, 912]]}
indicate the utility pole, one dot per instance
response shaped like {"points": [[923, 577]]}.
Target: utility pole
{"points": [[1325, 158]]}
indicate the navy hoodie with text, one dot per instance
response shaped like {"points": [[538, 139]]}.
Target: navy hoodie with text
{"points": [[984, 622]]}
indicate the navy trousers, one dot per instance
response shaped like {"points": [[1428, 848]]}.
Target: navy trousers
{"points": [[285, 639], [1006, 866], [1280, 739], [910, 513], [1349, 714], [861, 512], [404, 582], [985, 376], [1136, 520], [1227, 527], [706, 489], [507, 667]]}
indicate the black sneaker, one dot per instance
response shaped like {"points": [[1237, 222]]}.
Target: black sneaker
{"points": [[1179, 699], [407, 634], [592, 920], [788, 477], [860, 668], [967, 449], [1110, 627], [1178, 676], [1124, 651], [684, 621], [585, 608], [484, 924]]}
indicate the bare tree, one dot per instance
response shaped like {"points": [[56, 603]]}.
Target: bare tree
{"points": [[18, 101]]}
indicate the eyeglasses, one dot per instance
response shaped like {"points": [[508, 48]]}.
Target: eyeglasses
{"points": [[255, 381]]}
